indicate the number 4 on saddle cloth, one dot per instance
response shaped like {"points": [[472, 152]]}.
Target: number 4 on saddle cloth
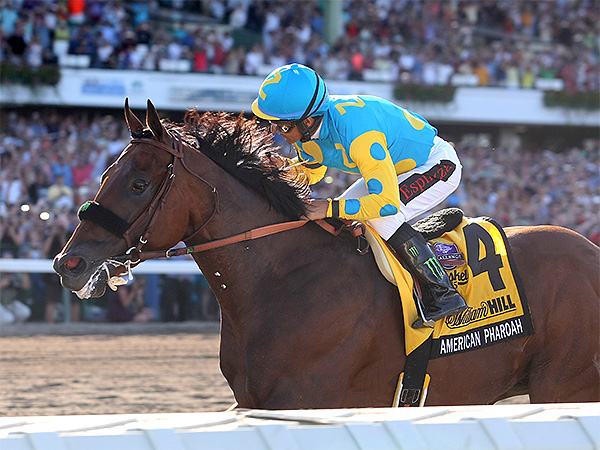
{"points": [[475, 254]]}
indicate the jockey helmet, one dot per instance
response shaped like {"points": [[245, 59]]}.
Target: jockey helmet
{"points": [[291, 92]]}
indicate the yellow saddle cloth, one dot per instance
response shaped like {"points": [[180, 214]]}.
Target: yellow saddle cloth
{"points": [[497, 307]]}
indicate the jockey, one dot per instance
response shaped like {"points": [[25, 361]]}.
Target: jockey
{"points": [[406, 168]]}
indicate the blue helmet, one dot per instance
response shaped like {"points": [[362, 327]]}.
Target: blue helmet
{"points": [[291, 92]]}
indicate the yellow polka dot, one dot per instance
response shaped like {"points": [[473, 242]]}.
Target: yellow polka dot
{"points": [[313, 149], [416, 123], [405, 165]]}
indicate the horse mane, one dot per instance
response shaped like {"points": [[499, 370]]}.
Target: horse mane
{"points": [[245, 150]]}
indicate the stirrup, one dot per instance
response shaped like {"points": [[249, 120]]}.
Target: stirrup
{"points": [[422, 321]]}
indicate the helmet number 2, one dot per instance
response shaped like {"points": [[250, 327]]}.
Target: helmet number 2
{"points": [[355, 102], [274, 80]]}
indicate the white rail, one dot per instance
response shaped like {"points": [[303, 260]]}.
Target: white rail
{"points": [[156, 266], [568, 426], [166, 266]]}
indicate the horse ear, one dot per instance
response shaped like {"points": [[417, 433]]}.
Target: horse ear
{"points": [[153, 122], [134, 124]]}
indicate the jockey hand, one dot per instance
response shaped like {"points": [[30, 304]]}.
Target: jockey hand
{"points": [[317, 209]]}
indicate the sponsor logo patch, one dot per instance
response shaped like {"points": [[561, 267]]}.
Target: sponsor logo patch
{"points": [[448, 255]]}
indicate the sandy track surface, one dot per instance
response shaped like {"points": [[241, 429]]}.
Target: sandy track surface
{"points": [[86, 368], [107, 369]]}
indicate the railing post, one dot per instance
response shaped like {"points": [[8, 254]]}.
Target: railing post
{"points": [[66, 297]]}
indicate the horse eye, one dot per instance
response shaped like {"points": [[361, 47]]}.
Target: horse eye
{"points": [[139, 186]]}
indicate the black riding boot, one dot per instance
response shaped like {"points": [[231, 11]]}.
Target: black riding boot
{"points": [[422, 263]]}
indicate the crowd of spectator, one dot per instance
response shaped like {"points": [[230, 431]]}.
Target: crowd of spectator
{"points": [[51, 162], [501, 42]]}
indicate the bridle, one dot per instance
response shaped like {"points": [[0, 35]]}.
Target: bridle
{"points": [[107, 219]]}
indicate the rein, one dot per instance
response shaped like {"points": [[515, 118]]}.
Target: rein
{"points": [[249, 235], [357, 229]]}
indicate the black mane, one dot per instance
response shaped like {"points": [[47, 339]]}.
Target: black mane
{"points": [[245, 150]]}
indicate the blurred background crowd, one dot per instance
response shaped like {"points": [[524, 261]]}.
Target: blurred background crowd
{"points": [[51, 162], [51, 159], [507, 43]]}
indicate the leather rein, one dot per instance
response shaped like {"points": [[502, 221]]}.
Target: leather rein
{"points": [[111, 222]]}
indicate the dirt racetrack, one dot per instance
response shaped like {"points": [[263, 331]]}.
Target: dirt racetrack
{"points": [[119, 369], [84, 368]]}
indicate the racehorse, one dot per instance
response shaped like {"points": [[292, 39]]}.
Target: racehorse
{"points": [[306, 322]]}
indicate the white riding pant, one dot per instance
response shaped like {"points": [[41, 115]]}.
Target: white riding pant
{"points": [[432, 195]]}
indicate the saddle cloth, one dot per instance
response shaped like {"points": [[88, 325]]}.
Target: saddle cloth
{"points": [[497, 307]]}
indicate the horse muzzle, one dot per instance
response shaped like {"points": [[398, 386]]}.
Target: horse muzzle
{"points": [[85, 278]]}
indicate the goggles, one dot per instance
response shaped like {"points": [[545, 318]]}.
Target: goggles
{"points": [[282, 128]]}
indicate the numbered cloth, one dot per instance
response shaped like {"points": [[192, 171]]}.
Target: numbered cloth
{"points": [[497, 306]]}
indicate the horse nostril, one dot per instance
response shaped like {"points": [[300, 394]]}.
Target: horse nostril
{"points": [[72, 263]]}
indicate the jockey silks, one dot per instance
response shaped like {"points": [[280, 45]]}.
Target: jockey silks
{"points": [[372, 137]]}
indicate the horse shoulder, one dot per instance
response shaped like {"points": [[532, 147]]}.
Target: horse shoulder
{"points": [[341, 322]]}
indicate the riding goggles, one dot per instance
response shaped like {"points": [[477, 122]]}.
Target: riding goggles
{"points": [[283, 128]]}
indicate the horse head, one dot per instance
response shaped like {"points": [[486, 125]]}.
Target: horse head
{"points": [[165, 187], [136, 188]]}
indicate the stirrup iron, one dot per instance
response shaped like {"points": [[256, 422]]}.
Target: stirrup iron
{"points": [[418, 295]]}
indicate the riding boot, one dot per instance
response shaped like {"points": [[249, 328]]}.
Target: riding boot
{"points": [[443, 300]]}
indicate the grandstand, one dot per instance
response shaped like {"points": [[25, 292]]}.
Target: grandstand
{"points": [[509, 83]]}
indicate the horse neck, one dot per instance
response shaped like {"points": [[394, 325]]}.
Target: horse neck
{"points": [[234, 208], [234, 271], [239, 209]]}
